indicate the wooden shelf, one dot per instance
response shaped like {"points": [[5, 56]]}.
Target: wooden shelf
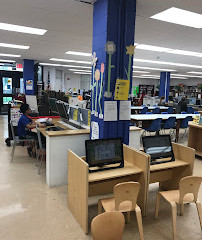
{"points": [[165, 166], [128, 169], [199, 153]]}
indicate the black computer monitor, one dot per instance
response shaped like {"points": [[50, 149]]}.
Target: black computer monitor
{"points": [[104, 154], [62, 110], [52, 104], [159, 148]]}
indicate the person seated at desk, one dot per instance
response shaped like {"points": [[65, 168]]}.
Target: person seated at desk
{"points": [[162, 101], [25, 125], [183, 105]]}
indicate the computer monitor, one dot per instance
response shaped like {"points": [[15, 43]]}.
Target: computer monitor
{"points": [[192, 101], [52, 104], [159, 148], [104, 154], [62, 110]]}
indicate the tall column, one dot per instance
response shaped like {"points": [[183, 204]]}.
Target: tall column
{"points": [[113, 49], [28, 76], [164, 85]]}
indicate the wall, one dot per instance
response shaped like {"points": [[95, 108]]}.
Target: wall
{"points": [[147, 81], [72, 81], [85, 82], [188, 82]]}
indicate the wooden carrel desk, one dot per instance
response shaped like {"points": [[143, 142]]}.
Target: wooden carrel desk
{"points": [[195, 137], [82, 184]]}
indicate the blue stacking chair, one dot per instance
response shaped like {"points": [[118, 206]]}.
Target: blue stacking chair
{"points": [[149, 113], [154, 127], [183, 113], [144, 110], [164, 113], [156, 111], [184, 125], [143, 106], [190, 110], [170, 123], [170, 110], [196, 112]]}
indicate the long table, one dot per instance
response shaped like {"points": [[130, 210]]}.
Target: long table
{"points": [[146, 119], [139, 108]]}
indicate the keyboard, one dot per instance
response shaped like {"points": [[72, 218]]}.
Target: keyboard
{"points": [[54, 129]]}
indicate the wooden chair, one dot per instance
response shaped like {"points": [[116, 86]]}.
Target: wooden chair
{"points": [[108, 226], [187, 193], [125, 200]]}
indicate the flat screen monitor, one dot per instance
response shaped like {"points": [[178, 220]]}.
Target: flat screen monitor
{"points": [[159, 148], [53, 106], [62, 110], [103, 152], [192, 101]]}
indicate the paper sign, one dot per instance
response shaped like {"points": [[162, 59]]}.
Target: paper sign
{"points": [[122, 89], [110, 111], [29, 85], [95, 130], [89, 118], [125, 110], [75, 116]]}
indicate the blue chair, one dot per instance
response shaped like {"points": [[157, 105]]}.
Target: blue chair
{"points": [[196, 112], [170, 124], [184, 125], [183, 113], [143, 106], [190, 110], [149, 113], [156, 111], [154, 127], [170, 110], [164, 113], [144, 110], [155, 105]]}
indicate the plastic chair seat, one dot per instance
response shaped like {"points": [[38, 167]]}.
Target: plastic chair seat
{"points": [[174, 196], [17, 139], [109, 205]]}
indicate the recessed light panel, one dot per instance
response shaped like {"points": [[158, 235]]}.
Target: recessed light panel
{"points": [[79, 53], [66, 60], [8, 45]]}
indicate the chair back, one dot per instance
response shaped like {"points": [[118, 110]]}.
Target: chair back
{"points": [[108, 226], [144, 110], [164, 112], [196, 112], [190, 184], [184, 123], [156, 110], [127, 191], [169, 123], [149, 113], [190, 110], [170, 110], [12, 130], [39, 138], [155, 125], [183, 112]]}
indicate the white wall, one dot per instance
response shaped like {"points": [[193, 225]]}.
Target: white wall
{"points": [[187, 82], [51, 71], [85, 82], [72, 81], [147, 81]]}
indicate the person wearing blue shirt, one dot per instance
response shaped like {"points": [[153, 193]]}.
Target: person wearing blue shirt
{"points": [[25, 125]]}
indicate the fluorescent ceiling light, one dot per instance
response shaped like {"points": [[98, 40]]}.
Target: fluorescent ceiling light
{"points": [[82, 73], [66, 60], [166, 63], [61, 65], [150, 75], [8, 45], [3, 60], [140, 71], [155, 69], [179, 77], [50, 64], [167, 50], [78, 70], [146, 77], [195, 72], [9, 55], [184, 75], [180, 16], [79, 53], [22, 29]]}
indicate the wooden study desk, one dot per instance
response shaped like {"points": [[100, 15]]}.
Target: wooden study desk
{"points": [[82, 184], [169, 174], [195, 137], [139, 108]]}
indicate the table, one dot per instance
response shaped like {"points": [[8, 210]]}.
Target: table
{"points": [[139, 108], [169, 174], [148, 118], [82, 184], [195, 137]]}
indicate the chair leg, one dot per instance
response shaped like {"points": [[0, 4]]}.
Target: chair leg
{"points": [[174, 219], [198, 205], [181, 209], [37, 158], [139, 222], [40, 163], [158, 198], [128, 217], [13, 151], [99, 207]]}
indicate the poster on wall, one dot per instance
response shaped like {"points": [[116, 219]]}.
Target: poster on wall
{"points": [[110, 111], [29, 85], [122, 89], [95, 130], [125, 110]]}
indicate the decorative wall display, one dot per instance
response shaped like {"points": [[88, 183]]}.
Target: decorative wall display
{"points": [[101, 90], [95, 130], [125, 110], [110, 111], [97, 78], [122, 89], [130, 51], [29, 85], [93, 63], [110, 48]]}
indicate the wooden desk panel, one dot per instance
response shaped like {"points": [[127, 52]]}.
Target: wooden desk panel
{"points": [[195, 137]]}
